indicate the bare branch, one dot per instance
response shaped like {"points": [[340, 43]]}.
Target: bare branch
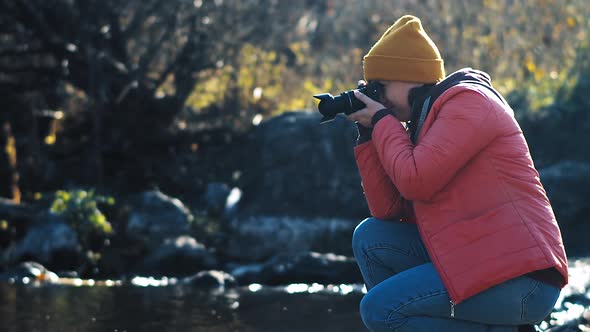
{"points": [[117, 42], [142, 10], [155, 48]]}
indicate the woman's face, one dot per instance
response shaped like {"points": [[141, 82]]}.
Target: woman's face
{"points": [[395, 98]]}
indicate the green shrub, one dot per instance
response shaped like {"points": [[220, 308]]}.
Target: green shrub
{"points": [[81, 210]]}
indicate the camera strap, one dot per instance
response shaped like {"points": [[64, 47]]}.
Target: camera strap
{"points": [[423, 113]]}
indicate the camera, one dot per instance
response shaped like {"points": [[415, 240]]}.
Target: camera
{"points": [[346, 102]]}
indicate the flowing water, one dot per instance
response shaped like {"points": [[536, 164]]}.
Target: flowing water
{"points": [[147, 304], [178, 308]]}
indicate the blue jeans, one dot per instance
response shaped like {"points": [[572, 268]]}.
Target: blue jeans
{"points": [[405, 293]]}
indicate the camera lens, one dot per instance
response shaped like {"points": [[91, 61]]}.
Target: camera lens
{"points": [[346, 102]]}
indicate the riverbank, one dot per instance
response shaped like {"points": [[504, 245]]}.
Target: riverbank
{"points": [[170, 304]]}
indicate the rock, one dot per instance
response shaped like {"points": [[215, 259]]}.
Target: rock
{"points": [[216, 197], [27, 272], [307, 267], [21, 211], [259, 238], [294, 166], [156, 217], [47, 217], [300, 189], [180, 256], [54, 244], [568, 186], [211, 280]]}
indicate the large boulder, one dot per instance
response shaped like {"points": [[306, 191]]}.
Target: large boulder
{"points": [[299, 189], [258, 238], [568, 186], [27, 272], [51, 242], [304, 267], [156, 217], [216, 198], [211, 280], [295, 166], [180, 256]]}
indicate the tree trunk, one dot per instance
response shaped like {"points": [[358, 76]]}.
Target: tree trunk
{"points": [[8, 171]]}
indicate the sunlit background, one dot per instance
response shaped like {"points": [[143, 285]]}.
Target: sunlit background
{"points": [[163, 165]]}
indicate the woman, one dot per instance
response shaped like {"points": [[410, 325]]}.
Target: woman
{"points": [[462, 235]]}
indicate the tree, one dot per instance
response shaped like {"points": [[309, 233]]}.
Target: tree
{"points": [[115, 57]]}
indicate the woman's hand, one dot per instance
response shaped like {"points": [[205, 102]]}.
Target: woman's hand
{"points": [[365, 115]]}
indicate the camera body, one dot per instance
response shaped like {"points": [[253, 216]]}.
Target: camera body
{"points": [[346, 102]]}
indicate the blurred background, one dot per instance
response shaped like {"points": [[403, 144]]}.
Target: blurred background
{"points": [[176, 145]]}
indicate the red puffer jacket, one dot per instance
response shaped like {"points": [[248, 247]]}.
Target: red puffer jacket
{"points": [[477, 199]]}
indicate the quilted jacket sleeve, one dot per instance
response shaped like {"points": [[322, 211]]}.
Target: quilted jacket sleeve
{"points": [[384, 200], [462, 128]]}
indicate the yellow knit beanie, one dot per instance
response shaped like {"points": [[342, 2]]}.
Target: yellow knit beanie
{"points": [[404, 53]]}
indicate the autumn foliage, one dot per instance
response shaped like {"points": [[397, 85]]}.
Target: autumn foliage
{"points": [[100, 92]]}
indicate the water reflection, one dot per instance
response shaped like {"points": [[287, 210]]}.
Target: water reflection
{"points": [[167, 304], [177, 308]]}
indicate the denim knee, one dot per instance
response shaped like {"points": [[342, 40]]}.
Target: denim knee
{"points": [[372, 314], [377, 317], [361, 233]]}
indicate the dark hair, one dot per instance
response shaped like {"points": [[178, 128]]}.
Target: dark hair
{"points": [[416, 98]]}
